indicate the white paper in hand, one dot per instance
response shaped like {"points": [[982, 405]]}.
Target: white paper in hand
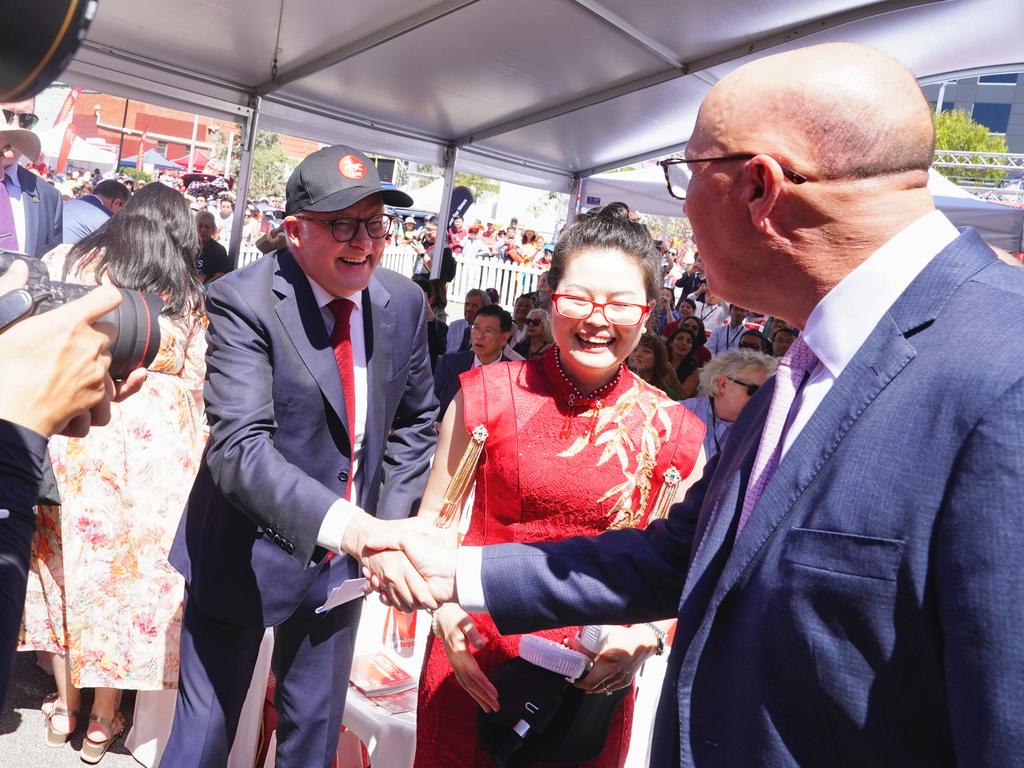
{"points": [[349, 590]]}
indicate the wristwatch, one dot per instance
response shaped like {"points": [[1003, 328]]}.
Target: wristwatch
{"points": [[659, 635]]}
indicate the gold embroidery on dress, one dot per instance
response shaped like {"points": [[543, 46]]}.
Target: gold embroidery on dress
{"points": [[610, 431]]}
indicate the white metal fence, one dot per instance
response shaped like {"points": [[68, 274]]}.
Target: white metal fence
{"points": [[509, 280]]}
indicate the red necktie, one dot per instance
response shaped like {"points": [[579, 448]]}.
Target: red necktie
{"points": [[341, 340]]}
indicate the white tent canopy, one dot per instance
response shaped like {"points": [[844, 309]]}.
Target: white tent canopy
{"points": [[82, 152], [1000, 225], [534, 92], [642, 189]]}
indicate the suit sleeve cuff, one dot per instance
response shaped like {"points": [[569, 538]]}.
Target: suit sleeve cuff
{"points": [[335, 523], [469, 585]]}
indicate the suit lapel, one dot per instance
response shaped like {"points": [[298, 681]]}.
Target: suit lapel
{"points": [[305, 327], [883, 356], [30, 205], [379, 323]]}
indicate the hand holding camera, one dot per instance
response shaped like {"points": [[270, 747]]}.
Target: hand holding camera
{"points": [[55, 365]]}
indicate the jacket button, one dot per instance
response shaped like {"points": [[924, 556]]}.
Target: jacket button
{"points": [[343, 476]]}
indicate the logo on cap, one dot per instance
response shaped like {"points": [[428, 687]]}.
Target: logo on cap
{"points": [[352, 167]]}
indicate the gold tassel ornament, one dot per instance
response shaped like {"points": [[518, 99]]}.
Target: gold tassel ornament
{"points": [[665, 495], [451, 504]]}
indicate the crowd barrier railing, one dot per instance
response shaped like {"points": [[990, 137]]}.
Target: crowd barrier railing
{"points": [[510, 280]]}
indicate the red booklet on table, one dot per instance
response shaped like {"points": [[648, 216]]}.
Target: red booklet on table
{"points": [[377, 674]]}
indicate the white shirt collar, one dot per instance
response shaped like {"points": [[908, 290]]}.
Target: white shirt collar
{"points": [[842, 321], [477, 362], [323, 298]]}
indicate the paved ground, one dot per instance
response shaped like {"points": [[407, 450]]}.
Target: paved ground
{"points": [[21, 725]]}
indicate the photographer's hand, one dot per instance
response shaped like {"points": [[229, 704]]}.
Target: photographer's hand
{"points": [[55, 365]]}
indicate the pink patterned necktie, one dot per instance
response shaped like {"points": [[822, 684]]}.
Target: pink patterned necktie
{"points": [[798, 361], [8, 234]]}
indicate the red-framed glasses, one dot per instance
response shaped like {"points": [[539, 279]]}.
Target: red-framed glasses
{"points": [[615, 312]]}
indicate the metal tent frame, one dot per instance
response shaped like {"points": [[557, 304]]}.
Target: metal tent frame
{"points": [[537, 92]]}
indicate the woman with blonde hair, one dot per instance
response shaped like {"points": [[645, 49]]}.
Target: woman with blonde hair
{"points": [[538, 335]]}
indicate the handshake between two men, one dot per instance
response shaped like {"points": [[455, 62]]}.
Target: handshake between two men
{"points": [[409, 562]]}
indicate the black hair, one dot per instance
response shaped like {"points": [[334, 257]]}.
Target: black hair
{"points": [[115, 190], [702, 334], [766, 346], [494, 310], [151, 244], [609, 227]]}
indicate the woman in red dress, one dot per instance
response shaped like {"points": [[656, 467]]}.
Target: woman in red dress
{"points": [[576, 445]]}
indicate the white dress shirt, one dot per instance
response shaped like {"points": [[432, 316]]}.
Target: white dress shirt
{"points": [[836, 330], [17, 203], [333, 526]]}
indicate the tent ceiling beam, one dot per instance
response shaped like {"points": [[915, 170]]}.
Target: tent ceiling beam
{"points": [[352, 119], [162, 66], [724, 56], [998, 69], [369, 42], [621, 25], [660, 152]]}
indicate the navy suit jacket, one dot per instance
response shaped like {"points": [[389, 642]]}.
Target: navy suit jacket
{"points": [[446, 377], [871, 612], [279, 452], [44, 214]]}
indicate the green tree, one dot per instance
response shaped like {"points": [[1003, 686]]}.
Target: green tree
{"points": [[270, 166], [955, 130], [478, 185]]}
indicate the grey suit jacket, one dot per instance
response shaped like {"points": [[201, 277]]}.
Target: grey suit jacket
{"points": [[871, 612]]}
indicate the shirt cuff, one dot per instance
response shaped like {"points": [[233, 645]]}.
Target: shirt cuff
{"points": [[335, 523], [469, 584]]}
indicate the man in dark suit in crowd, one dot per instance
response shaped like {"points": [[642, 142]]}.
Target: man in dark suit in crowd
{"points": [[322, 413], [489, 334], [847, 574], [31, 210]]}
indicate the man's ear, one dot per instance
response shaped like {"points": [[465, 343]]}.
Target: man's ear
{"points": [[290, 229], [760, 187]]}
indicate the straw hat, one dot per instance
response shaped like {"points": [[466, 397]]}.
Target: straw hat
{"points": [[21, 141]]}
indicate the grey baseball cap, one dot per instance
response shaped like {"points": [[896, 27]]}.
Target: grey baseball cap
{"points": [[334, 178]]}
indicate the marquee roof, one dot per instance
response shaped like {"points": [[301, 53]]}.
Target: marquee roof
{"points": [[530, 91]]}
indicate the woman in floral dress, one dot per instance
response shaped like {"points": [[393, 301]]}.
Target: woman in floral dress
{"points": [[576, 444], [102, 597]]}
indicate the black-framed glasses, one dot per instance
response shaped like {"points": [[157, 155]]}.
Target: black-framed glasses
{"points": [[615, 312], [344, 230], [677, 178], [25, 119], [751, 388]]}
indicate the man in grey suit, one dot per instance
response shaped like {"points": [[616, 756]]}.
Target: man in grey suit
{"points": [[846, 575], [31, 210]]}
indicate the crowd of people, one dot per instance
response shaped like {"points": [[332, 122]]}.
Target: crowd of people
{"points": [[646, 454]]}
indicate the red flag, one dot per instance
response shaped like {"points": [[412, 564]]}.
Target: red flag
{"points": [[65, 147], [68, 107]]}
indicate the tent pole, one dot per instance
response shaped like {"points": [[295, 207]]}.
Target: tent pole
{"points": [[192, 144], [242, 183], [575, 195], [451, 153]]}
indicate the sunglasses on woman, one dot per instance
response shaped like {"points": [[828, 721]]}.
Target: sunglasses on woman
{"points": [[534, 322], [25, 119], [751, 388]]}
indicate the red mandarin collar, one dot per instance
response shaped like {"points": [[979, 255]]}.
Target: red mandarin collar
{"points": [[569, 395]]}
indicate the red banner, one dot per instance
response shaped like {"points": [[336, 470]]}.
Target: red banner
{"points": [[65, 147], [69, 106]]}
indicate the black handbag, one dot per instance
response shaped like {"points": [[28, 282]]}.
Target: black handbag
{"points": [[544, 718]]}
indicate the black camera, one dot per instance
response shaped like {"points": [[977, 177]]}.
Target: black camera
{"points": [[135, 319]]}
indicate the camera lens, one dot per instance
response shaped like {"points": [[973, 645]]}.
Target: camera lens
{"points": [[137, 341]]}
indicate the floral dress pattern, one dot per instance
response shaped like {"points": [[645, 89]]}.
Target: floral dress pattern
{"points": [[100, 587]]}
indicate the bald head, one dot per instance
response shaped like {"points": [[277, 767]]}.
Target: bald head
{"points": [[833, 111]]}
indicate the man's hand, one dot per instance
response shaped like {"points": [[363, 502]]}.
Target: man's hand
{"points": [[430, 551], [54, 366]]}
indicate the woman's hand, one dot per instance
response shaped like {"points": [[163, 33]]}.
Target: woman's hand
{"points": [[458, 632], [625, 651]]}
